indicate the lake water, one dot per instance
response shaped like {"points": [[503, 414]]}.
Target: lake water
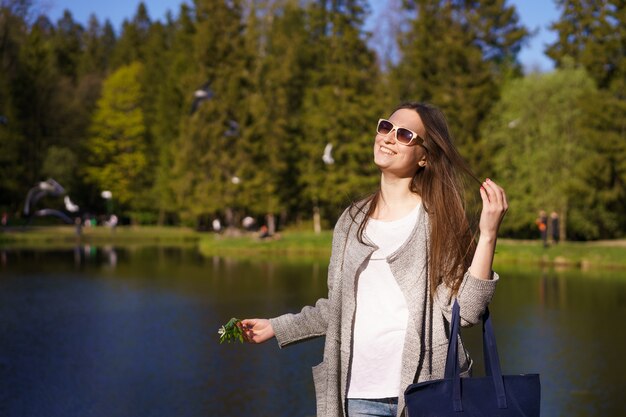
{"points": [[133, 332]]}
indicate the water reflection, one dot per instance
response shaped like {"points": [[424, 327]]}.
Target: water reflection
{"points": [[118, 332]]}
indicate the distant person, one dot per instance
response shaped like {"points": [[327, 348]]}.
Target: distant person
{"points": [[79, 226], [400, 258], [5, 219], [264, 232], [542, 225], [554, 227], [112, 222]]}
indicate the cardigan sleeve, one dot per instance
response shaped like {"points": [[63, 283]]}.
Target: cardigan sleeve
{"points": [[474, 296], [312, 321]]}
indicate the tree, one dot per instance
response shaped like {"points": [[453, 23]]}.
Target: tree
{"points": [[457, 55], [591, 33], [116, 146], [599, 206], [172, 107], [32, 91], [340, 107], [61, 164], [13, 31], [67, 45], [208, 157], [538, 147], [98, 43], [130, 45]]}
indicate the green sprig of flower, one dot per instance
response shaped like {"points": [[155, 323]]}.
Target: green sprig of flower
{"points": [[231, 331]]}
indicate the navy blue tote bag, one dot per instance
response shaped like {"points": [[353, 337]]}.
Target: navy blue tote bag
{"points": [[494, 395]]}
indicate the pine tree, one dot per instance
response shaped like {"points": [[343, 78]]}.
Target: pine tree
{"points": [[589, 33], [457, 55], [172, 107], [131, 43], [98, 42], [277, 44], [33, 90], [208, 157], [67, 45], [340, 107], [13, 31]]}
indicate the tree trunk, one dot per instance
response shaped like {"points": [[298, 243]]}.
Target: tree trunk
{"points": [[271, 223], [228, 213]]}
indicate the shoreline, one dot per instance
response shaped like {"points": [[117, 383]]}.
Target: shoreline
{"points": [[580, 255]]}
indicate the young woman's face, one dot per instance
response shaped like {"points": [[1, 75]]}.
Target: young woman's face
{"points": [[395, 158]]}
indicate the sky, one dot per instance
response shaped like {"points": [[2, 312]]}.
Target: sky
{"points": [[536, 15]]}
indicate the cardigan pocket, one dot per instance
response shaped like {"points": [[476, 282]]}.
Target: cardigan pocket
{"points": [[320, 380], [436, 364]]}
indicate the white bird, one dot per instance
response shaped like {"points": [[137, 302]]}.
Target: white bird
{"points": [[327, 157], [69, 206], [49, 185], [106, 194], [45, 188], [201, 94]]}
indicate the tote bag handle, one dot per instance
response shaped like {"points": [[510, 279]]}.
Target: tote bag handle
{"points": [[490, 352]]}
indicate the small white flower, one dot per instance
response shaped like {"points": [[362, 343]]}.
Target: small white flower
{"points": [[221, 331]]}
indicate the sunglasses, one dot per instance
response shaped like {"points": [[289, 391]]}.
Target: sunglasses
{"points": [[403, 135]]}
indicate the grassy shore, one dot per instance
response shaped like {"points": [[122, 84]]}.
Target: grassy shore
{"points": [[55, 236], [585, 255]]}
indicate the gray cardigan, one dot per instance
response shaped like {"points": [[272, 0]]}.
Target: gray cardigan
{"points": [[426, 341]]}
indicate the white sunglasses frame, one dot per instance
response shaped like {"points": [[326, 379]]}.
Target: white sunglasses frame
{"points": [[395, 129]]}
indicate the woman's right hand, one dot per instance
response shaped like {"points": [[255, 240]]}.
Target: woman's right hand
{"points": [[257, 330]]}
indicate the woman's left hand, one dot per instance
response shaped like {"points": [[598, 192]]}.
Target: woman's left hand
{"points": [[494, 209]]}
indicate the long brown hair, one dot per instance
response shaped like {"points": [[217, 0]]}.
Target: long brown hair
{"points": [[441, 186]]}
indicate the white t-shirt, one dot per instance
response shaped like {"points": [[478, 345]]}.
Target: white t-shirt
{"points": [[381, 315]]}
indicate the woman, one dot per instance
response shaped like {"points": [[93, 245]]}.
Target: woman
{"points": [[399, 259]]}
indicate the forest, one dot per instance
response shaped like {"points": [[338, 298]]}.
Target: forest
{"points": [[230, 108]]}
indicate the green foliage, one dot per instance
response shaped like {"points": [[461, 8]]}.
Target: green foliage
{"points": [[592, 35], [231, 331], [537, 145], [340, 107], [13, 34], [117, 147], [601, 195], [95, 110], [130, 46], [61, 164], [207, 158], [457, 55], [66, 43]]}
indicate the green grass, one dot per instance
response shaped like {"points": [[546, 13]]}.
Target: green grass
{"points": [[607, 254], [294, 243], [53, 236]]}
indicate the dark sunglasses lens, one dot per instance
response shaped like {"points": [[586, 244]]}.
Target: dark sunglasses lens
{"points": [[405, 136], [384, 127]]}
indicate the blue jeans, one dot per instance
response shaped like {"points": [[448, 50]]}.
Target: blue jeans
{"points": [[380, 407]]}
